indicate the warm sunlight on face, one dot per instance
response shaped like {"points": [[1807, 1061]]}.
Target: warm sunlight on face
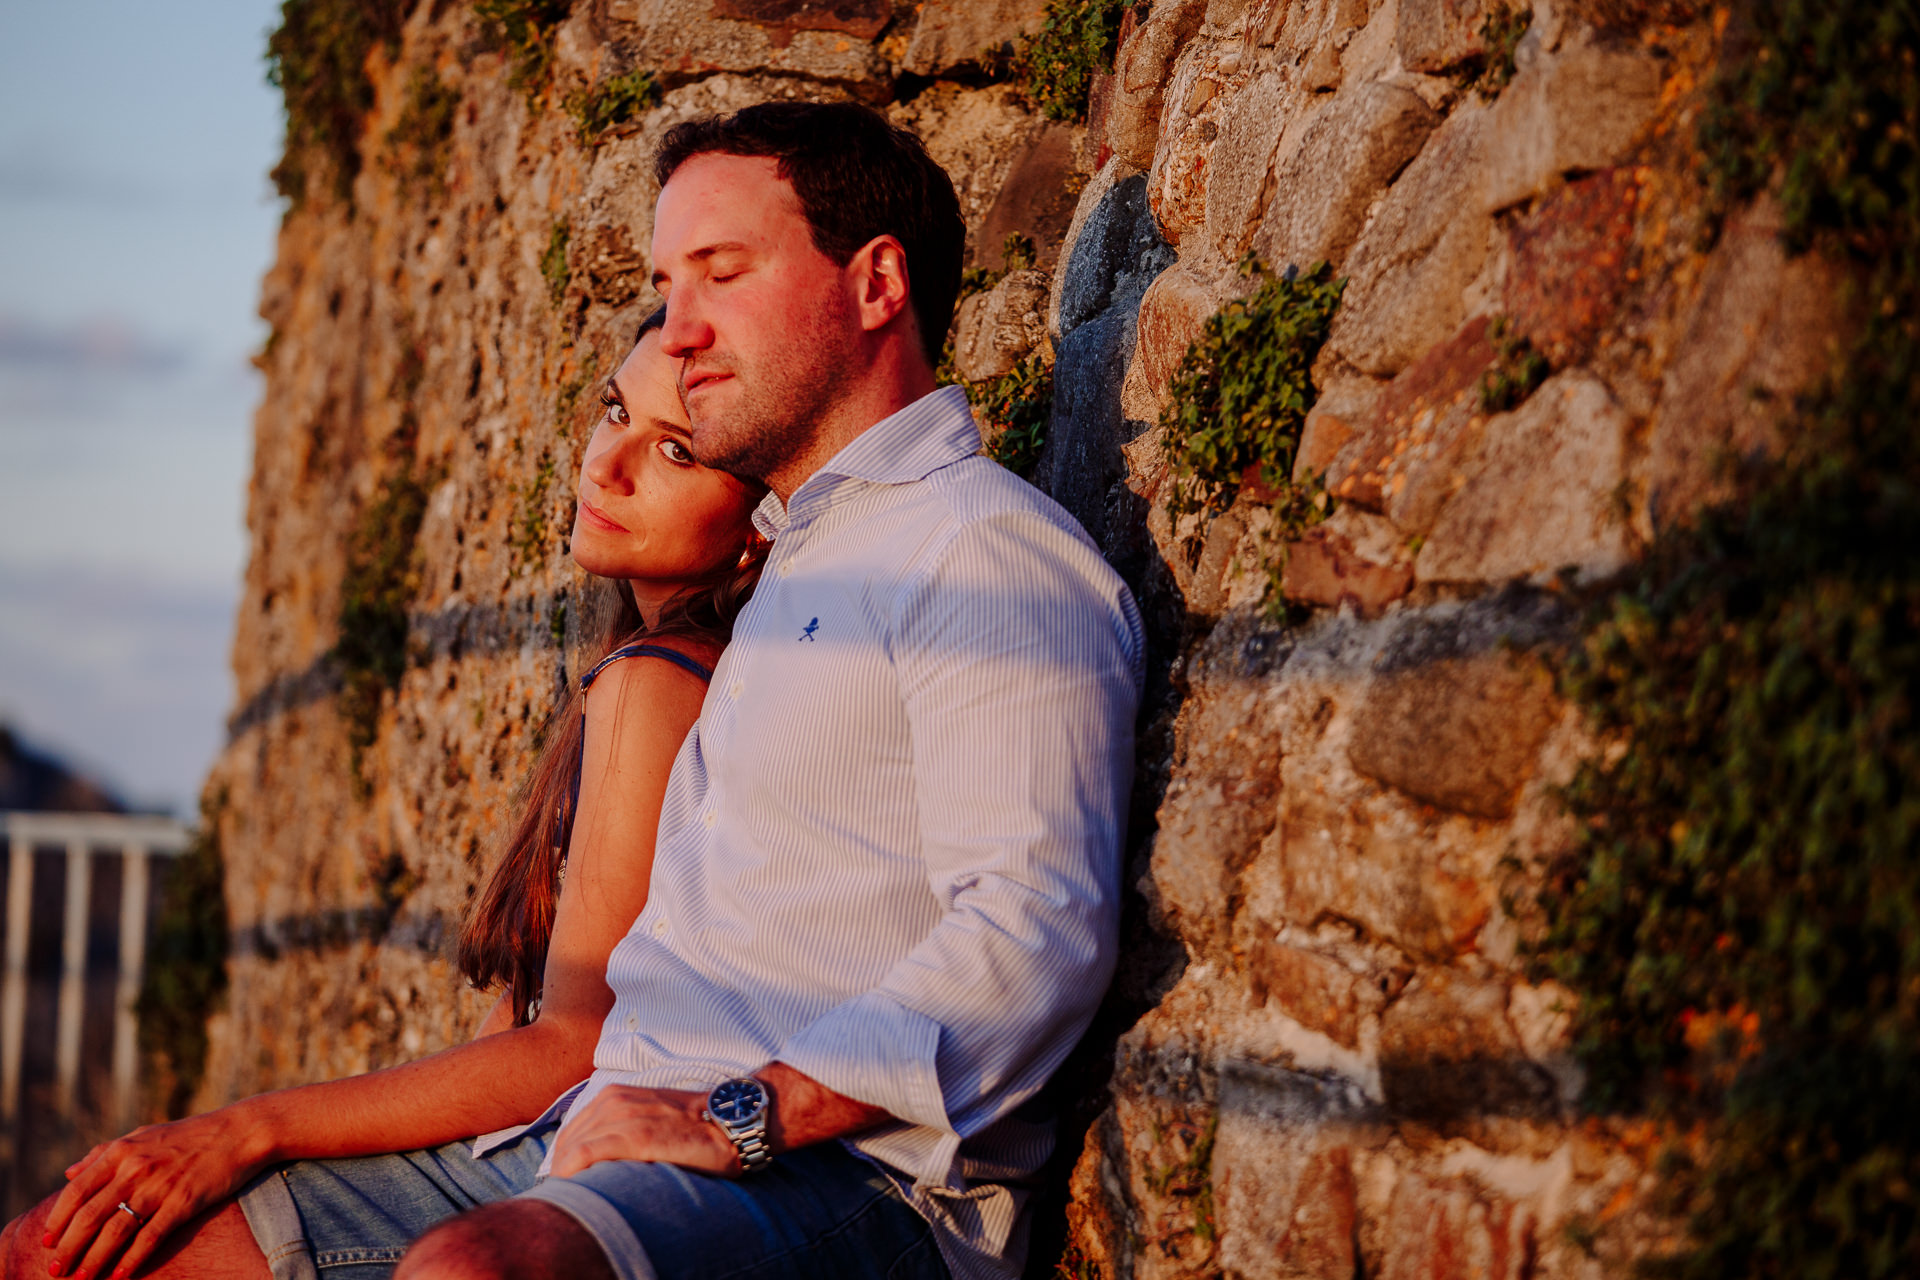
{"points": [[763, 323], [648, 512]]}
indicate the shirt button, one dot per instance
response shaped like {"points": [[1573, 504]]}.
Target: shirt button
{"points": [[736, 689], [708, 818], [633, 1023], [786, 567], [659, 931]]}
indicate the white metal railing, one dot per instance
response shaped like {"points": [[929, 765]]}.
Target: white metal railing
{"points": [[136, 838]]}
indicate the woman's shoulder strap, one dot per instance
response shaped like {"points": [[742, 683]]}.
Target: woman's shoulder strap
{"points": [[644, 650]]}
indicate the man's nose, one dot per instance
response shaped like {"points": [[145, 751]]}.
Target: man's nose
{"points": [[686, 330]]}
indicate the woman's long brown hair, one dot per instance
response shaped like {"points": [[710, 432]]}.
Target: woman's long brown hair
{"points": [[505, 938], [504, 941]]}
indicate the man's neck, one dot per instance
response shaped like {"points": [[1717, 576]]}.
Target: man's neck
{"points": [[894, 380]]}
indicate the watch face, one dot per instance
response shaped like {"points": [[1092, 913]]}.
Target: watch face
{"points": [[737, 1101]]}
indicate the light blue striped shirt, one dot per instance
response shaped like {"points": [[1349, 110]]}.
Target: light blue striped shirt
{"points": [[890, 850]]}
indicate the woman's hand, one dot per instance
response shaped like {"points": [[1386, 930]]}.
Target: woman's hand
{"points": [[165, 1173]]}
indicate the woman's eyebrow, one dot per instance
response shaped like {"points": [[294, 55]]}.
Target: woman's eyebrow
{"points": [[611, 391], [673, 429]]}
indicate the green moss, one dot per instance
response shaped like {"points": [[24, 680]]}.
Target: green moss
{"points": [[553, 262], [1242, 391], [381, 579], [1239, 400], [1013, 409], [532, 526], [1827, 100], [317, 58], [418, 144], [522, 30], [613, 101], [1517, 371], [185, 981], [1500, 32], [1740, 917], [1056, 66]]}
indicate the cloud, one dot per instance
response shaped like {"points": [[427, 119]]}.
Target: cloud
{"points": [[35, 176], [106, 344]]}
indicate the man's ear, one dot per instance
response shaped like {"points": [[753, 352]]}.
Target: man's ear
{"points": [[882, 291]]}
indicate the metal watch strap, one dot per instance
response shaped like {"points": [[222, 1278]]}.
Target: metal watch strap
{"points": [[752, 1146]]}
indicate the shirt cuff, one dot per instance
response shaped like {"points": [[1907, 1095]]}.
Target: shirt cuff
{"points": [[875, 1050]]}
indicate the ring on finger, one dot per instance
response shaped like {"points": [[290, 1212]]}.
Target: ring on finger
{"points": [[132, 1212]]}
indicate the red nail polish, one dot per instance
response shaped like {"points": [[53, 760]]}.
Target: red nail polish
{"points": [[46, 1241]]}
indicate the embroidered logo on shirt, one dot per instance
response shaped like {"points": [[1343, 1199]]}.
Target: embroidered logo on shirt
{"points": [[810, 629]]}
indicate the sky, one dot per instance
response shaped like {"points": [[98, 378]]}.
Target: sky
{"points": [[136, 220]]}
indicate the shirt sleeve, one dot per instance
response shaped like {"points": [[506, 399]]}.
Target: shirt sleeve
{"points": [[1018, 652]]}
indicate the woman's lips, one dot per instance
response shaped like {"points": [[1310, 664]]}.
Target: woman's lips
{"points": [[599, 519]]}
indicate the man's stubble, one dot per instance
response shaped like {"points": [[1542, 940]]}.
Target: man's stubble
{"points": [[783, 399]]}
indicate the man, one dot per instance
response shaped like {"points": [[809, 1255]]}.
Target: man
{"points": [[883, 904]]}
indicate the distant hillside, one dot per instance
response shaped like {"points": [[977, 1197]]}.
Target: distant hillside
{"points": [[31, 779]]}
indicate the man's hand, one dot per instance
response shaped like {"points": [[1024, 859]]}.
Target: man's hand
{"points": [[628, 1123], [669, 1125]]}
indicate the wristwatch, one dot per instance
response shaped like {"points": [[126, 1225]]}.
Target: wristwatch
{"points": [[739, 1107]]}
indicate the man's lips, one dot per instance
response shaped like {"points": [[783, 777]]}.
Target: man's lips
{"points": [[599, 519], [703, 378]]}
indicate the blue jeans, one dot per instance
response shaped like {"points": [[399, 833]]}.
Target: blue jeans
{"points": [[820, 1212]]}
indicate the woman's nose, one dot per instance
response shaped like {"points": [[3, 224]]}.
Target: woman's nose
{"points": [[610, 468]]}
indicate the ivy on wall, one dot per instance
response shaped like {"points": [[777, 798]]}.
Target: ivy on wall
{"points": [[317, 58], [1740, 918]]}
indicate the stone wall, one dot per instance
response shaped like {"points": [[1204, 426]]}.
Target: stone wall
{"points": [[1325, 1058]]}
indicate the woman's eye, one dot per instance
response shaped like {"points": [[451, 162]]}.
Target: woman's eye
{"points": [[616, 412], [676, 452]]}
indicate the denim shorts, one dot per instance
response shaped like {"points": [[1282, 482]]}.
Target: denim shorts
{"points": [[820, 1212], [352, 1219]]}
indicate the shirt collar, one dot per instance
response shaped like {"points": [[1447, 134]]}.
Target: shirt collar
{"points": [[910, 444]]}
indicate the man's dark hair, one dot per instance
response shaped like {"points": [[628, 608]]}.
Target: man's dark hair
{"points": [[857, 177]]}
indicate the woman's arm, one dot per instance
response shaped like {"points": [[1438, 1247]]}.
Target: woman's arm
{"points": [[639, 712]]}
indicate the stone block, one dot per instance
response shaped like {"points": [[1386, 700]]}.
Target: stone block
{"points": [[1207, 79], [1035, 199], [1405, 460], [1110, 256], [1370, 861], [1568, 441], [975, 135], [1141, 70], [1579, 108], [1344, 407], [1449, 1058], [1442, 1230], [1569, 263], [1456, 714], [1173, 312], [1324, 568], [998, 329], [820, 41], [1283, 1180], [952, 35], [1316, 991], [1408, 273], [1436, 36], [1351, 151], [1268, 117], [1761, 328]]}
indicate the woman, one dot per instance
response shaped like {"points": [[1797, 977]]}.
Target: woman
{"points": [[678, 541]]}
